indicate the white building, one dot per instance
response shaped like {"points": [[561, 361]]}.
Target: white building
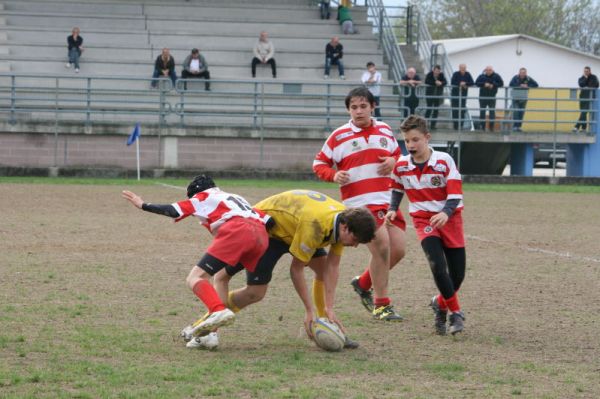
{"points": [[551, 65]]}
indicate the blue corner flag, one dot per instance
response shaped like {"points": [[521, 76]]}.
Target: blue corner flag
{"points": [[134, 134]]}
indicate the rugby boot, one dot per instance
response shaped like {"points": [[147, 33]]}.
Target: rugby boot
{"points": [[214, 320], [187, 332], [209, 341], [440, 316], [366, 296], [386, 313], [457, 322]]}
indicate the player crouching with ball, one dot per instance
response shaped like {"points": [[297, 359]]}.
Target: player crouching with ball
{"points": [[433, 185], [240, 238]]}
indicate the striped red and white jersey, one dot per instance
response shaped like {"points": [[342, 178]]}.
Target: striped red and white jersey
{"points": [[428, 189], [214, 207], [357, 151]]}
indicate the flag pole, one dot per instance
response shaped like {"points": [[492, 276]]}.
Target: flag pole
{"points": [[137, 151]]}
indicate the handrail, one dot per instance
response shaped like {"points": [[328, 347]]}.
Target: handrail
{"points": [[387, 38], [261, 103]]}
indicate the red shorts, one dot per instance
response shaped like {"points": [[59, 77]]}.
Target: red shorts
{"points": [[379, 212], [240, 240], [452, 234]]}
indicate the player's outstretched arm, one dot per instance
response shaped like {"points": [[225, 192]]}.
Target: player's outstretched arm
{"points": [[138, 202]]}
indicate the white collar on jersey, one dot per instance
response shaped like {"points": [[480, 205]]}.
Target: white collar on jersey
{"points": [[357, 129], [431, 162]]}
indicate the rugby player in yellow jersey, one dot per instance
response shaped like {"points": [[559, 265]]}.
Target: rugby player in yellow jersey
{"points": [[306, 222]]}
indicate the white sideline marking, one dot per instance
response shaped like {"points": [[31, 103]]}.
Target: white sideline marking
{"points": [[476, 238], [171, 186], [540, 250]]}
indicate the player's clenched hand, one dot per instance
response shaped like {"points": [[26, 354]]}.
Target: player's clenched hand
{"points": [[308, 320], [438, 220], [390, 217], [341, 177], [135, 199], [386, 166]]}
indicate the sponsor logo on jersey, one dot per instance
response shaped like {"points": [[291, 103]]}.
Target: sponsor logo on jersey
{"points": [[440, 167], [403, 168], [383, 142], [427, 229], [436, 181], [343, 136], [380, 214], [305, 248], [355, 146]]}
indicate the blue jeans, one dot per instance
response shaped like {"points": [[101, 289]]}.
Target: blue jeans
{"points": [[74, 55], [157, 73], [334, 61], [518, 112]]}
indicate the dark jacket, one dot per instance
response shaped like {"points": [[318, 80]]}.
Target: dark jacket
{"points": [[587, 85], [335, 53], [455, 82], [494, 79], [432, 89], [160, 64], [520, 93], [74, 43], [409, 91]]}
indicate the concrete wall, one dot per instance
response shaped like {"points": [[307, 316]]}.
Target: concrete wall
{"points": [[215, 153]]}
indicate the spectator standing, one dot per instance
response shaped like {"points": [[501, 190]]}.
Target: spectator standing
{"points": [[195, 67], [435, 81], [520, 84], [164, 66], [264, 51], [461, 81], [588, 83], [324, 9], [488, 83], [371, 78], [345, 17], [75, 44], [410, 81], [334, 51]]}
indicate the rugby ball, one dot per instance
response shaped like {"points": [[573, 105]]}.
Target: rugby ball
{"points": [[328, 335]]}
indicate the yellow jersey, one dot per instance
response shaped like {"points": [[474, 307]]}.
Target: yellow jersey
{"points": [[305, 220]]}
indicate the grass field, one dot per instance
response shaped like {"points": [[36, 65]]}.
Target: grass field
{"points": [[92, 297]]}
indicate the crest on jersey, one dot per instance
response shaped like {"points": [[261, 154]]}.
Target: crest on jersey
{"points": [[383, 142], [440, 167], [427, 229], [380, 214], [436, 181]]}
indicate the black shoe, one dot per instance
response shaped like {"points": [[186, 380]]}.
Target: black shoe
{"points": [[440, 316], [457, 322], [350, 344], [386, 313], [366, 297]]}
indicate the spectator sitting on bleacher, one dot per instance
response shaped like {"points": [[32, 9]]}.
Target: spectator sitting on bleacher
{"points": [[195, 66], [334, 51], [263, 54], [345, 18], [164, 67], [75, 42]]}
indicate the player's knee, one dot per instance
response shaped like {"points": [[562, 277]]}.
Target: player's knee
{"points": [[255, 293]]}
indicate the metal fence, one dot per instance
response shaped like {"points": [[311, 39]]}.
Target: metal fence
{"points": [[266, 103]]}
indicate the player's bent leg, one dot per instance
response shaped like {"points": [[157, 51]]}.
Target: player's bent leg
{"points": [[248, 295], [397, 244], [379, 265]]}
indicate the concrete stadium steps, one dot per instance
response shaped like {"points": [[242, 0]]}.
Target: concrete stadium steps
{"points": [[241, 57]]}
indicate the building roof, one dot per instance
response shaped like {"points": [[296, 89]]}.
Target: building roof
{"points": [[453, 46]]}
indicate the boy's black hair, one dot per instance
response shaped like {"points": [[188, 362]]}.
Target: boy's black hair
{"points": [[359, 92], [370, 63], [199, 184], [360, 222]]}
